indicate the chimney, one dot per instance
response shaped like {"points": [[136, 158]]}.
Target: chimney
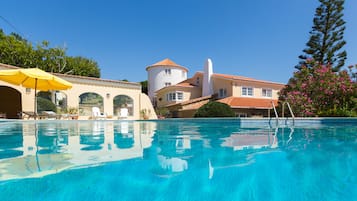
{"points": [[207, 85]]}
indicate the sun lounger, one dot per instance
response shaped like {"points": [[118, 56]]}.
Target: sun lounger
{"points": [[49, 115], [42, 115], [123, 113], [27, 115], [96, 114]]}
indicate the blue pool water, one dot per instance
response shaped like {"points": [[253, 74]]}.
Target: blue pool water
{"points": [[177, 160]]}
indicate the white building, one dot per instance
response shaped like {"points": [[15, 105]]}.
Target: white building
{"points": [[163, 74], [247, 97]]}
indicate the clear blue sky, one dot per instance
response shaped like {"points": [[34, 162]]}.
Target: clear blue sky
{"points": [[261, 39]]}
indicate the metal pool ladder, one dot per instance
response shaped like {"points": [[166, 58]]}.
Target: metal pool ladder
{"points": [[282, 112]]}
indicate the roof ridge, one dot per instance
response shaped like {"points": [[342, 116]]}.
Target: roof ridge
{"points": [[245, 78], [166, 62]]}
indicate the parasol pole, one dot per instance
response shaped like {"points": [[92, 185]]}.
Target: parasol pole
{"points": [[35, 99]]}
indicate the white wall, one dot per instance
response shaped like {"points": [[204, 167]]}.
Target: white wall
{"points": [[157, 78]]}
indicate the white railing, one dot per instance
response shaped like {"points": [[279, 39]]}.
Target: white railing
{"points": [[283, 111]]}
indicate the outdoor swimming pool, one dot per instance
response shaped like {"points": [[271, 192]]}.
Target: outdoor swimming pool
{"points": [[220, 159]]}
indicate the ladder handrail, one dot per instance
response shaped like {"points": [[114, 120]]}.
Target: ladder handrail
{"points": [[276, 113], [291, 111]]}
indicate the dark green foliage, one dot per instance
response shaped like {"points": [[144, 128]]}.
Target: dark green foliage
{"points": [[44, 94], [144, 87], [122, 101], [44, 104], [215, 109], [339, 112], [82, 66], [326, 40], [90, 99], [162, 112], [17, 51]]}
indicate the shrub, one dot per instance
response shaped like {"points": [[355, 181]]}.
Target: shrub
{"points": [[320, 91], [215, 109], [162, 112], [44, 104], [338, 113]]}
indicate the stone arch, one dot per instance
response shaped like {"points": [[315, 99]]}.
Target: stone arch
{"points": [[87, 101], [123, 101], [10, 102]]}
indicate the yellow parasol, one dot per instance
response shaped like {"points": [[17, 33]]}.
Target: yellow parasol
{"points": [[34, 78]]}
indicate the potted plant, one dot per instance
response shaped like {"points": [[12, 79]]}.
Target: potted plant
{"points": [[145, 113], [73, 112]]}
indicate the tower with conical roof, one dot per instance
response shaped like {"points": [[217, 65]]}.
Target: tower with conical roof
{"points": [[164, 73]]}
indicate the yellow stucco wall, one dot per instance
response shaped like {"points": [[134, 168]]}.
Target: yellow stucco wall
{"points": [[257, 88], [188, 94], [234, 88], [78, 89], [146, 107], [222, 84]]}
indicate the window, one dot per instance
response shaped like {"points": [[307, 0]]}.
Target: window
{"points": [[197, 80], [222, 93], [167, 84], [183, 74], [174, 96], [168, 71], [179, 96], [240, 115], [247, 91], [267, 93]]}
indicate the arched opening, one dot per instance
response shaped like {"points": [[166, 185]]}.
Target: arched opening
{"points": [[123, 101], [51, 101], [89, 100], [10, 103]]}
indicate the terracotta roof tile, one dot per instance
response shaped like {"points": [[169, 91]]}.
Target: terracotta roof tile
{"points": [[236, 77], [257, 103], [6, 66], [195, 100], [79, 77], [184, 84], [166, 62]]}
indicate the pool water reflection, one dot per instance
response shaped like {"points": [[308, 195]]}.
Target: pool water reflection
{"points": [[214, 159], [33, 149]]}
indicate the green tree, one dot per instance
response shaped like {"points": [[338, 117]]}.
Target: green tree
{"points": [[82, 66], [14, 50], [326, 40], [50, 59], [214, 109], [318, 91], [17, 51], [144, 87]]}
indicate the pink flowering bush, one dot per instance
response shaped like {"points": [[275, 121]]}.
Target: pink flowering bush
{"points": [[318, 91]]}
